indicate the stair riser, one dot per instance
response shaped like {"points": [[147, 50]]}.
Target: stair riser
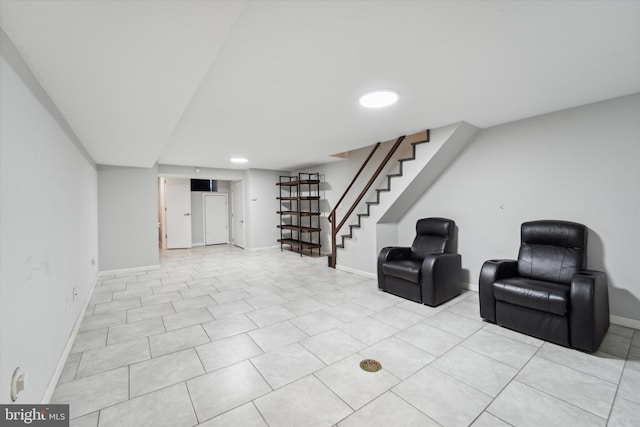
{"points": [[381, 190]]}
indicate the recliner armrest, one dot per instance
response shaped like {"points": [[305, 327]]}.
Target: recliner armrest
{"points": [[390, 253], [492, 270], [589, 309], [441, 277]]}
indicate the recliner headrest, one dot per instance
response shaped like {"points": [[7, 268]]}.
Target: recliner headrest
{"points": [[442, 227], [558, 233]]}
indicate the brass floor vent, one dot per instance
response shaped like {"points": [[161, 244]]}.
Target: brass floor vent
{"points": [[370, 365]]}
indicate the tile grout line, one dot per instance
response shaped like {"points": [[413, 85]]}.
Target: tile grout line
{"points": [[410, 404], [193, 407], [200, 263], [486, 408], [624, 367], [583, 372], [333, 392], [463, 382], [543, 391], [253, 403]]}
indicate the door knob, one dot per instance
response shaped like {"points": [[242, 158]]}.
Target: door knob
{"points": [[187, 214]]}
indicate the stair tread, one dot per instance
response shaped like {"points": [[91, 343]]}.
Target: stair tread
{"points": [[419, 142], [380, 190]]}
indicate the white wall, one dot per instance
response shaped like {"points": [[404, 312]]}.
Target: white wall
{"points": [[261, 205], [128, 217], [48, 223], [224, 187], [578, 165]]}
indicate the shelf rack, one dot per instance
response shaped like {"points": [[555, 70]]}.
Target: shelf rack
{"points": [[300, 213]]}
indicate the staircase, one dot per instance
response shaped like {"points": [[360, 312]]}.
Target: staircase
{"points": [[378, 191], [421, 160]]}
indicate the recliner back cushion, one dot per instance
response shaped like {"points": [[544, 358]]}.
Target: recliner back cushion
{"points": [[433, 236], [553, 251]]}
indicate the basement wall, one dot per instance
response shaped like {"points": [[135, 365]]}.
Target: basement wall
{"points": [[48, 224], [577, 165], [261, 207], [128, 217]]}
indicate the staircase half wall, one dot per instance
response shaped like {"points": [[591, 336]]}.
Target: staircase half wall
{"points": [[379, 229]]}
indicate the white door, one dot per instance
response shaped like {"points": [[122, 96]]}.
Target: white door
{"points": [[215, 219], [177, 202], [237, 212]]}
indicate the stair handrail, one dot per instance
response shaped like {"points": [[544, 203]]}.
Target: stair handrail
{"points": [[332, 215], [353, 181], [371, 181]]}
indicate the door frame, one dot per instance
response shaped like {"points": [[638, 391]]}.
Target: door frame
{"points": [[234, 197], [162, 214]]}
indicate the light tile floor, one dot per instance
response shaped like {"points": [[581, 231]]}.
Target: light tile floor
{"points": [[219, 336]]}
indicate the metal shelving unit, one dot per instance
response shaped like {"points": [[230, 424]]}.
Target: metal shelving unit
{"points": [[300, 213]]}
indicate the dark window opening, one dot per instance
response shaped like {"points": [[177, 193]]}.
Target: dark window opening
{"points": [[204, 185]]}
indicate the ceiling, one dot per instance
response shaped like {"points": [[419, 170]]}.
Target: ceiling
{"points": [[194, 83]]}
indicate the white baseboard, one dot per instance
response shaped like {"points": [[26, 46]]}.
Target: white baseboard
{"points": [[48, 393], [103, 273], [625, 321], [195, 245], [471, 287], [356, 271]]}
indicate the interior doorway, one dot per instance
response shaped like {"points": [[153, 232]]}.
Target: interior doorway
{"points": [[190, 216]]}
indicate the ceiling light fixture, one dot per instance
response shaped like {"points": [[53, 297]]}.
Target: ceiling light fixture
{"points": [[238, 160], [379, 99]]}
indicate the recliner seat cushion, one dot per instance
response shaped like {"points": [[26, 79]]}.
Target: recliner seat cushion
{"points": [[405, 269], [536, 294]]}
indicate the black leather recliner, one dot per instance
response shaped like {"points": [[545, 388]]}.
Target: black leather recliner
{"points": [[429, 272], [547, 293]]}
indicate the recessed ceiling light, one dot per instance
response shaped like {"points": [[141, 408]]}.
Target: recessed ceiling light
{"points": [[379, 99], [238, 160]]}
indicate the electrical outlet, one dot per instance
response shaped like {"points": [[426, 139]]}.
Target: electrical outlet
{"points": [[18, 383]]}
